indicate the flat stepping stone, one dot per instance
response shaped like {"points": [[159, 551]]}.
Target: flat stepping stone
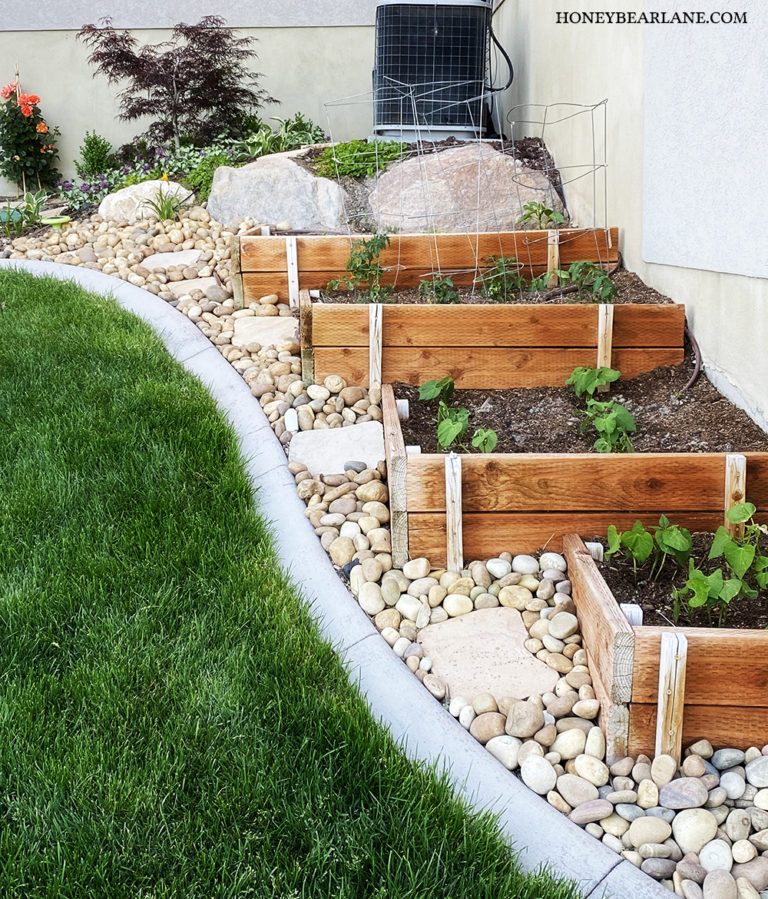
{"points": [[483, 652], [180, 288], [266, 330], [326, 451], [182, 258]]}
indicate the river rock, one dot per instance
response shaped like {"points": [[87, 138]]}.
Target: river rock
{"points": [[727, 758], [487, 726], [756, 872], [648, 830], [682, 793], [591, 769], [663, 769], [693, 828], [539, 775], [505, 749], [575, 789], [524, 719], [593, 810], [658, 868], [757, 771], [716, 856], [719, 884]]}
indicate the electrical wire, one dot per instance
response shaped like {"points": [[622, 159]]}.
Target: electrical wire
{"points": [[492, 37]]}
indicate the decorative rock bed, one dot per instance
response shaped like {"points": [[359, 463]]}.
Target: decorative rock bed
{"points": [[701, 829]]}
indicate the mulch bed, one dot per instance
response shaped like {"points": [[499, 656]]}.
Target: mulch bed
{"points": [[630, 290], [543, 419], [655, 596]]}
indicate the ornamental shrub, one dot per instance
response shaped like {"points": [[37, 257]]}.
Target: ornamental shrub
{"points": [[27, 143], [196, 85], [96, 155]]}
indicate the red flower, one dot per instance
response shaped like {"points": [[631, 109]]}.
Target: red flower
{"points": [[28, 99], [26, 110], [6, 92], [41, 128]]}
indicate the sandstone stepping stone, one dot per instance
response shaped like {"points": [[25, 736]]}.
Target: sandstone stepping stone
{"points": [[682, 793], [483, 651], [326, 451], [181, 259], [266, 331], [180, 288]]}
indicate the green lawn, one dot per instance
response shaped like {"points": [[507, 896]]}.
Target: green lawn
{"points": [[171, 724]]}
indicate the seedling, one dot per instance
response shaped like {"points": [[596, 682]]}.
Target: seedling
{"points": [[434, 389], [439, 289], [542, 282], [542, 215], [587, 380], [452, 423], [501, 277], [593, 281], [638, 544], [365, 270], [485, 439], [613, 423]]}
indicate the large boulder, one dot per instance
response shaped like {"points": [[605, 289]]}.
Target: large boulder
{"points": [[277, 189], [129, 203], [467, 188]]}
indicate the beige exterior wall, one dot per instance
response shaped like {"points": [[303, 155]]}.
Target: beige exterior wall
{"points": [[304, 68], [728, 313]]}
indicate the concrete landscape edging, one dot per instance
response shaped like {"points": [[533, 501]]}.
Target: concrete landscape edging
{"points": [[426, 731]]}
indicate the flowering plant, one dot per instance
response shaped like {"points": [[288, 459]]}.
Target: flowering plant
{"points": [[27, 142]]}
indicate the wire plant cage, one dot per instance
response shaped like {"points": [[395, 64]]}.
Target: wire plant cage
{"points": [[429, 74]]}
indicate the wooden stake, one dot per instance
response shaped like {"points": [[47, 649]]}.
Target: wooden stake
{"points": [[604, 339], [735, 490], [453, 523], [237, 276], [305, 331], [374, 345], [293, 271], [669, 721], [397, 467], [553, 256]]}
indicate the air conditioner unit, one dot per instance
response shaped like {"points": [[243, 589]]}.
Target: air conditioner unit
{"points": [[428, 79]]}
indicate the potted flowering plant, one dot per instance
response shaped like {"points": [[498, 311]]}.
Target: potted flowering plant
{"points": [[27, 143]]}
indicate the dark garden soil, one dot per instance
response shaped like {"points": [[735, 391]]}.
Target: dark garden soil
{"points": [[655, 596], [630, 290], [544, 419]]}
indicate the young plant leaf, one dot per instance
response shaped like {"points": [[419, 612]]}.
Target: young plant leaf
{"points": [[739, 557]]}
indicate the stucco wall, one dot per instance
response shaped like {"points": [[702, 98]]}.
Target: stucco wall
{"points": [[588, 62], [303, 68]]}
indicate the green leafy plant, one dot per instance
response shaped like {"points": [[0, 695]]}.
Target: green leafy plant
{"points": [[500, 278], [16, 220], [592, 280], [27, 143], [485, 439], [586, 380], [439, 289], [542, 215], [200, 179], [434, 389], [452, 423], [165, 205], [358, 158], [638, 545], [291, 134], [365, 271], [541, 284], [96, 155], [613, 423]]}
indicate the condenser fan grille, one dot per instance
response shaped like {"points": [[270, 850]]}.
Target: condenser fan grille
{"points": [[430, 65]]}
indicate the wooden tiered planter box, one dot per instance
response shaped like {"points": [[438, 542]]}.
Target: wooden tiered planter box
{"points": [[714, 682], [286, 265]]}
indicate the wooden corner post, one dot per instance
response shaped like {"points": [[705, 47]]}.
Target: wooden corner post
{"points": [[604, 339], [553, 256], [453, 517], [236, 273], [305, 335], [374, 344], [397, 466], [669, 717]]}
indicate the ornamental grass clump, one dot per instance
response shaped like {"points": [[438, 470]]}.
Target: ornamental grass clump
{"points": [[27, 143]]}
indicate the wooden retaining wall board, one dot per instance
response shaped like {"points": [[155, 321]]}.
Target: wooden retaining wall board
{"points": [[490, 346], [726, 683], [519, 502], [260, 264]]}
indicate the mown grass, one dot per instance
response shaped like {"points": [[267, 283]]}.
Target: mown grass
{"points": [[170, 722]]}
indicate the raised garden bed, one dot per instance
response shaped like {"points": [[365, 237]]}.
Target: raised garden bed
{"points": [[713, 680], [285, 265]]}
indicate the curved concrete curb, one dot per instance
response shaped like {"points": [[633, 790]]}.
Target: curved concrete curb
{"points": [[427, 732]]}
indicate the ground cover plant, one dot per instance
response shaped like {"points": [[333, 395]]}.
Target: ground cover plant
{"points": [[358, 158], [172, 724]]}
